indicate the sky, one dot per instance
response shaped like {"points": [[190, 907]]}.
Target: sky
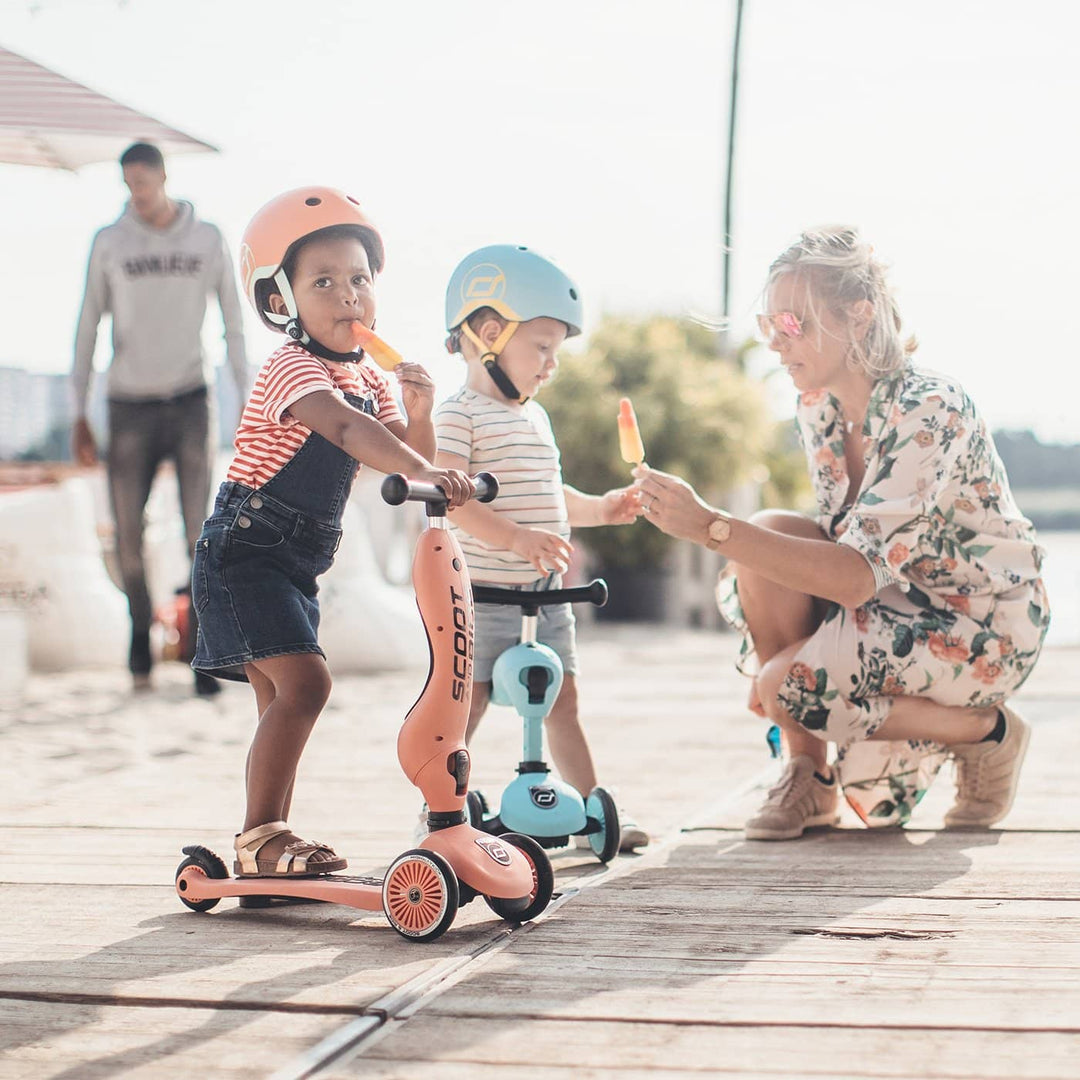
{"points": [[595, 131]]}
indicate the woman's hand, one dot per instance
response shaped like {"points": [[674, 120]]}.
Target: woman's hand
{"points": [[753, 700], [458, 486], [672, 505], [620, 506], [417, 391], [547, 551]]}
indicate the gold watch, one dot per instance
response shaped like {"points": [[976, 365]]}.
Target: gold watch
{"points": [[719, 531]]}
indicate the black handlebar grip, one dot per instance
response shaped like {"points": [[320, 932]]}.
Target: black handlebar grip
{"points": [[398, 488], [487, 487], [596, 593], [395, 489]]}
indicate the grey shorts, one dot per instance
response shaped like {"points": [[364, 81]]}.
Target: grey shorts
{"points": [[499, 627]]}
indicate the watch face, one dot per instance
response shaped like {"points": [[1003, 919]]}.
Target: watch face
{"points": [[719, 530]]}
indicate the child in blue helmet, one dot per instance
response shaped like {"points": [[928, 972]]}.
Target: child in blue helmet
{"points": [[508, 310]]}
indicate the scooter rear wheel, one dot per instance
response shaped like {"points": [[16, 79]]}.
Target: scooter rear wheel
{"points": [[206, 863], [476, 806], [420, 895], [518, 911]]}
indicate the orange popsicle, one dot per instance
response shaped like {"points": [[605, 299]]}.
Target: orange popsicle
{"points": [[630, 444], [375, 347]]}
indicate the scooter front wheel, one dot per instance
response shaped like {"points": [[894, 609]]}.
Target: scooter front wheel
{"points": [[203, 862], [543, 877], [420, 895], [600, 805]]}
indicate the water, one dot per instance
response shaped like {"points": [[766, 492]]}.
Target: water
{"points": [[1061, 572]]}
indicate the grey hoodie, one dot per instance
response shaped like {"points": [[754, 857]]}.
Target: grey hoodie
{"points": [[155, 283]]}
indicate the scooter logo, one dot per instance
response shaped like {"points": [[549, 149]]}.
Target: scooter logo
{"points": [[460, 683], [543, 797], [494, 849], [484, 282]]}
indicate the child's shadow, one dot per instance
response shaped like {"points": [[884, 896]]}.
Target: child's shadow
{"points": [[179, 944]]}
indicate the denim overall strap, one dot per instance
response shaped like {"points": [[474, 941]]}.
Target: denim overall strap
{"points": [[318, 478]]}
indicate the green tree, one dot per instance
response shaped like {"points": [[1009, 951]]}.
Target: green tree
{"points": [[701, 418]]}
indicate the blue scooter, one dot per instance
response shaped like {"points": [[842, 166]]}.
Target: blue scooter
{"points": [[528, 677]]}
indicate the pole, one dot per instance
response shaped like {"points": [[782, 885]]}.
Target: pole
{"points": [[726, 238]]}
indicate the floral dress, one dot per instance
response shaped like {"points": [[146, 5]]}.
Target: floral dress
{"points": [[960, 611]]}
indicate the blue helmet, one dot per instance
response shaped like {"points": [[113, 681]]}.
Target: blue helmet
{"points": [[516, 282]]}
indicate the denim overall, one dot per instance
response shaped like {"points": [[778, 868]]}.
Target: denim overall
{"points": [[253, 580]]}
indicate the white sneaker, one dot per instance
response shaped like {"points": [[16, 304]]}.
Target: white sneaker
{"points": [[801, 800], [631, 834], [987, 774]]}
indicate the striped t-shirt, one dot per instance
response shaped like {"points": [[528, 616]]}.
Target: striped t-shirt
{"points": [[517, 445], [269, 436]]}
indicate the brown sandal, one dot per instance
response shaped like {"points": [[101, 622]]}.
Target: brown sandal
{"points": [[294, 859]]}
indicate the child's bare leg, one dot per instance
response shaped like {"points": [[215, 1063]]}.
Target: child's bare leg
{"points": [[481, 695], [566, 739], [301, 685], [264, 695]]}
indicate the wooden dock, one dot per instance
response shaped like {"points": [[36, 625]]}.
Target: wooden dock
{"points": [[906, 953]]}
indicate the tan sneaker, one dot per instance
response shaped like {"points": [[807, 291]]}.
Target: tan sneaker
{"points": [[987, 775], [801, 800]]}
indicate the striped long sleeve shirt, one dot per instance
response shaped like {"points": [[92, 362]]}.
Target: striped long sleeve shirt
{"points": [[515, 443]]}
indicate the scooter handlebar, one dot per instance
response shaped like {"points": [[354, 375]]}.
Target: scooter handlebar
{"points": [[596, 592], [398, 488]]}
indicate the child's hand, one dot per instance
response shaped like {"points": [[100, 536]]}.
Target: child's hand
{"points": [[620, 506], [417, 391], [457, 485], [545, 550]]}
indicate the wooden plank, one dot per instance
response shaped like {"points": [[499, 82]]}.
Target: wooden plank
{"points": [[66, 941], [877, 954], [86, 1041], [561, 1049]]}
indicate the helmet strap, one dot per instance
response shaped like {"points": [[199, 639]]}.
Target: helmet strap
{"points": [[489, 357], [320, 350], [289, 322], [292, 326]]}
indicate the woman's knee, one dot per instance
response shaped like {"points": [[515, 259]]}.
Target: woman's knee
{"points": [[788, 522]]}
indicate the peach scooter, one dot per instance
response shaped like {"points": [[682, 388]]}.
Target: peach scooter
{"points": [[423, 888]]}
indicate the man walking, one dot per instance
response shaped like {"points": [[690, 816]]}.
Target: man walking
{"points": [[152, 271]]}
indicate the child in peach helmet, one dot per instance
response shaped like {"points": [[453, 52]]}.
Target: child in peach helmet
{"points": [[319, 409]]}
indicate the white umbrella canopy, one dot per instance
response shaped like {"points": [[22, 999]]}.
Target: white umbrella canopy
{"points": [[49, 120]]}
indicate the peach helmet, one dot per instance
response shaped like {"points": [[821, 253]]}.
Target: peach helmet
{"points": [[276, 229]]}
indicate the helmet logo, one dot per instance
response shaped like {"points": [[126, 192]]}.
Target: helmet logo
{"points": [[484, 282], [247, 266]]}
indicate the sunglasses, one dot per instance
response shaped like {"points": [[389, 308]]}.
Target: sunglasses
{"points": [[783, 324]]}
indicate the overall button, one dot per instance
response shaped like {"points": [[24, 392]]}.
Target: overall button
{"points": [[244, 522], [255, 502]]}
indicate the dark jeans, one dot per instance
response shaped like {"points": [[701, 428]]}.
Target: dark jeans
{"points": [[143, 434]]}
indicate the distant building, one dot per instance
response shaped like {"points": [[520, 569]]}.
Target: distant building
{"points": [[33, 404]]}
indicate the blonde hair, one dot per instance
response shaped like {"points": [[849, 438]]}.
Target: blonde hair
{"points": [[454, 343], [841, 271]]}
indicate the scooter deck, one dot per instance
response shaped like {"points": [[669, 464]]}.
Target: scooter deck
{"points": [[358, 891]]}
